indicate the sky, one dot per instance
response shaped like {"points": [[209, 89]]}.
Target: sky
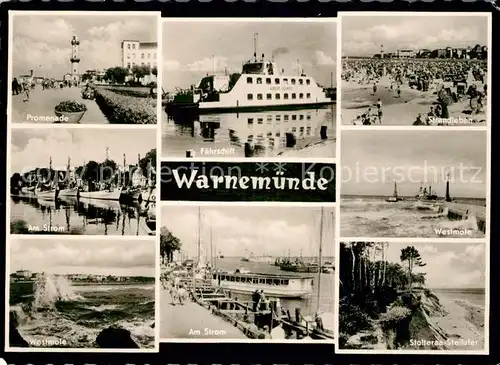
{"points": [[230, 43], [373, 160], [363, 35], [42, 43], [449, 265], [33, 148], [261, 230], [81, 256]]}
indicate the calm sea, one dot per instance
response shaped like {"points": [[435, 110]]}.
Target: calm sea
{"points": [[371, 216], [269, 132], [475, 295], [308, 306]]}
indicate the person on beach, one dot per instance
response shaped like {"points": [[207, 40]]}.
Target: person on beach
{"points": [[399, 91], [374, 88], [379, 110]]}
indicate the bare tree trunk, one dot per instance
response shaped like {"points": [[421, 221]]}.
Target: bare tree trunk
{"points": [[353, 267]]}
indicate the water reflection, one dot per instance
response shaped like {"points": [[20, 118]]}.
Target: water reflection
{"points": [[257, 134], [31, 215]]}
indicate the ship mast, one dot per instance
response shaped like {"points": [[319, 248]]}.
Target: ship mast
{"points": [[319, 260], [255, 38], [395, 190]]}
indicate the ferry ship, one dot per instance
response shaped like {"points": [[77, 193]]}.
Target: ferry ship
{"points": [[259, 86], [279, 286]]}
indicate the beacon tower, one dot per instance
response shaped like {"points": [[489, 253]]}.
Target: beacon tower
{"points": [[75, 57]]}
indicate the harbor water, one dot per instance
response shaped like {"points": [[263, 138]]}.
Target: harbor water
{"points": [[308, 305], [72, 216], [363, 216], [58, 314], [265, 134]]}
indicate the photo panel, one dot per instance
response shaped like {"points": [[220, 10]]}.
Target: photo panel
{"points": [[240, 273], [81, 294], [426, 184], [84, 67], [83, 181], [249, 88], [415, 297], [427, 69]]}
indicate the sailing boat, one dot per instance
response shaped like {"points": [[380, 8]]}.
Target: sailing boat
{"points": [[246, 258], [132, 192], [47, 192], [394, 198], [71, 189]]}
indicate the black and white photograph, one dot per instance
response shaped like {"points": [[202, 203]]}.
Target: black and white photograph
{"points": [[81, 294], [415, 297], [413, 183], [249, 88], [415, 69], [84, 67], [244, 273], [83, 182]]}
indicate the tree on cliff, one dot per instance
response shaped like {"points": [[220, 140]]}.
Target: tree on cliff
{"points": [[411, 256], [168, 244]]}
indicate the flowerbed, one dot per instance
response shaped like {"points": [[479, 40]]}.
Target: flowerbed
{"points": [[122, 109]]}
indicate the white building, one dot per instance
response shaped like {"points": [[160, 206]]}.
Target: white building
{"points": [[406, 53], [135, 53]]}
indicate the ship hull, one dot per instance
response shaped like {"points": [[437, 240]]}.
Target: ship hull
{"points": [[103, 195], [68, 192], [270, 292], [47, 195], [133, 194], [300, 269]]}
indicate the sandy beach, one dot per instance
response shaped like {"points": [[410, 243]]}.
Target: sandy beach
{"points": [[403, 110], [463, 321]]}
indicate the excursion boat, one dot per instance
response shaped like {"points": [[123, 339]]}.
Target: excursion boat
{"points": [[259, 86], [426, 194], [297, 265], [280, 286], [108, 194]]}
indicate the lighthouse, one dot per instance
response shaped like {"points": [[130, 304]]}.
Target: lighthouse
{"points": [[75, 58]]}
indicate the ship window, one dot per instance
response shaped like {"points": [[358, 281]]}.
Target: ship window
{"points": [[259, 96], [294, 96], [277, 81], [276, 281], [277, 96], [285, 81], [250, 120], [255, 281], [301, 82], [249, 80], [268, 80], [259, 80], [285, 96], [232, 278], [308, 82], [269, 281], [308, 95], [269, 96], [250, 96], [301, 96], [262, 281], [285, 282], [214, 276], [293, 81]]}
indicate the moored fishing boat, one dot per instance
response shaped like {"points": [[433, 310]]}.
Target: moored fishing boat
{"points": [[259, 86], [28, 190], [106, 194], [70, 192], [274, 285]]}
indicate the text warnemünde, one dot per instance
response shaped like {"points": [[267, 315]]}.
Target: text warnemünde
{"points": [[250, 182]]}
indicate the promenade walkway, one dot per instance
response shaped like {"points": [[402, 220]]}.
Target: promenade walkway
{"points": [[42, 103], [192, 321]]}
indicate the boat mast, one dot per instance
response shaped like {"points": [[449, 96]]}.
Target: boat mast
{"points": [[199, 234], [255, 38], [319, 263], [395, 189]]}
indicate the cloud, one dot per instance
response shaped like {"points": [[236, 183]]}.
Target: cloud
{"points": [[171, 65], [233, 232], [322, 59], [208, 64], [42, 43], [368, 36], [88, 256]]}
